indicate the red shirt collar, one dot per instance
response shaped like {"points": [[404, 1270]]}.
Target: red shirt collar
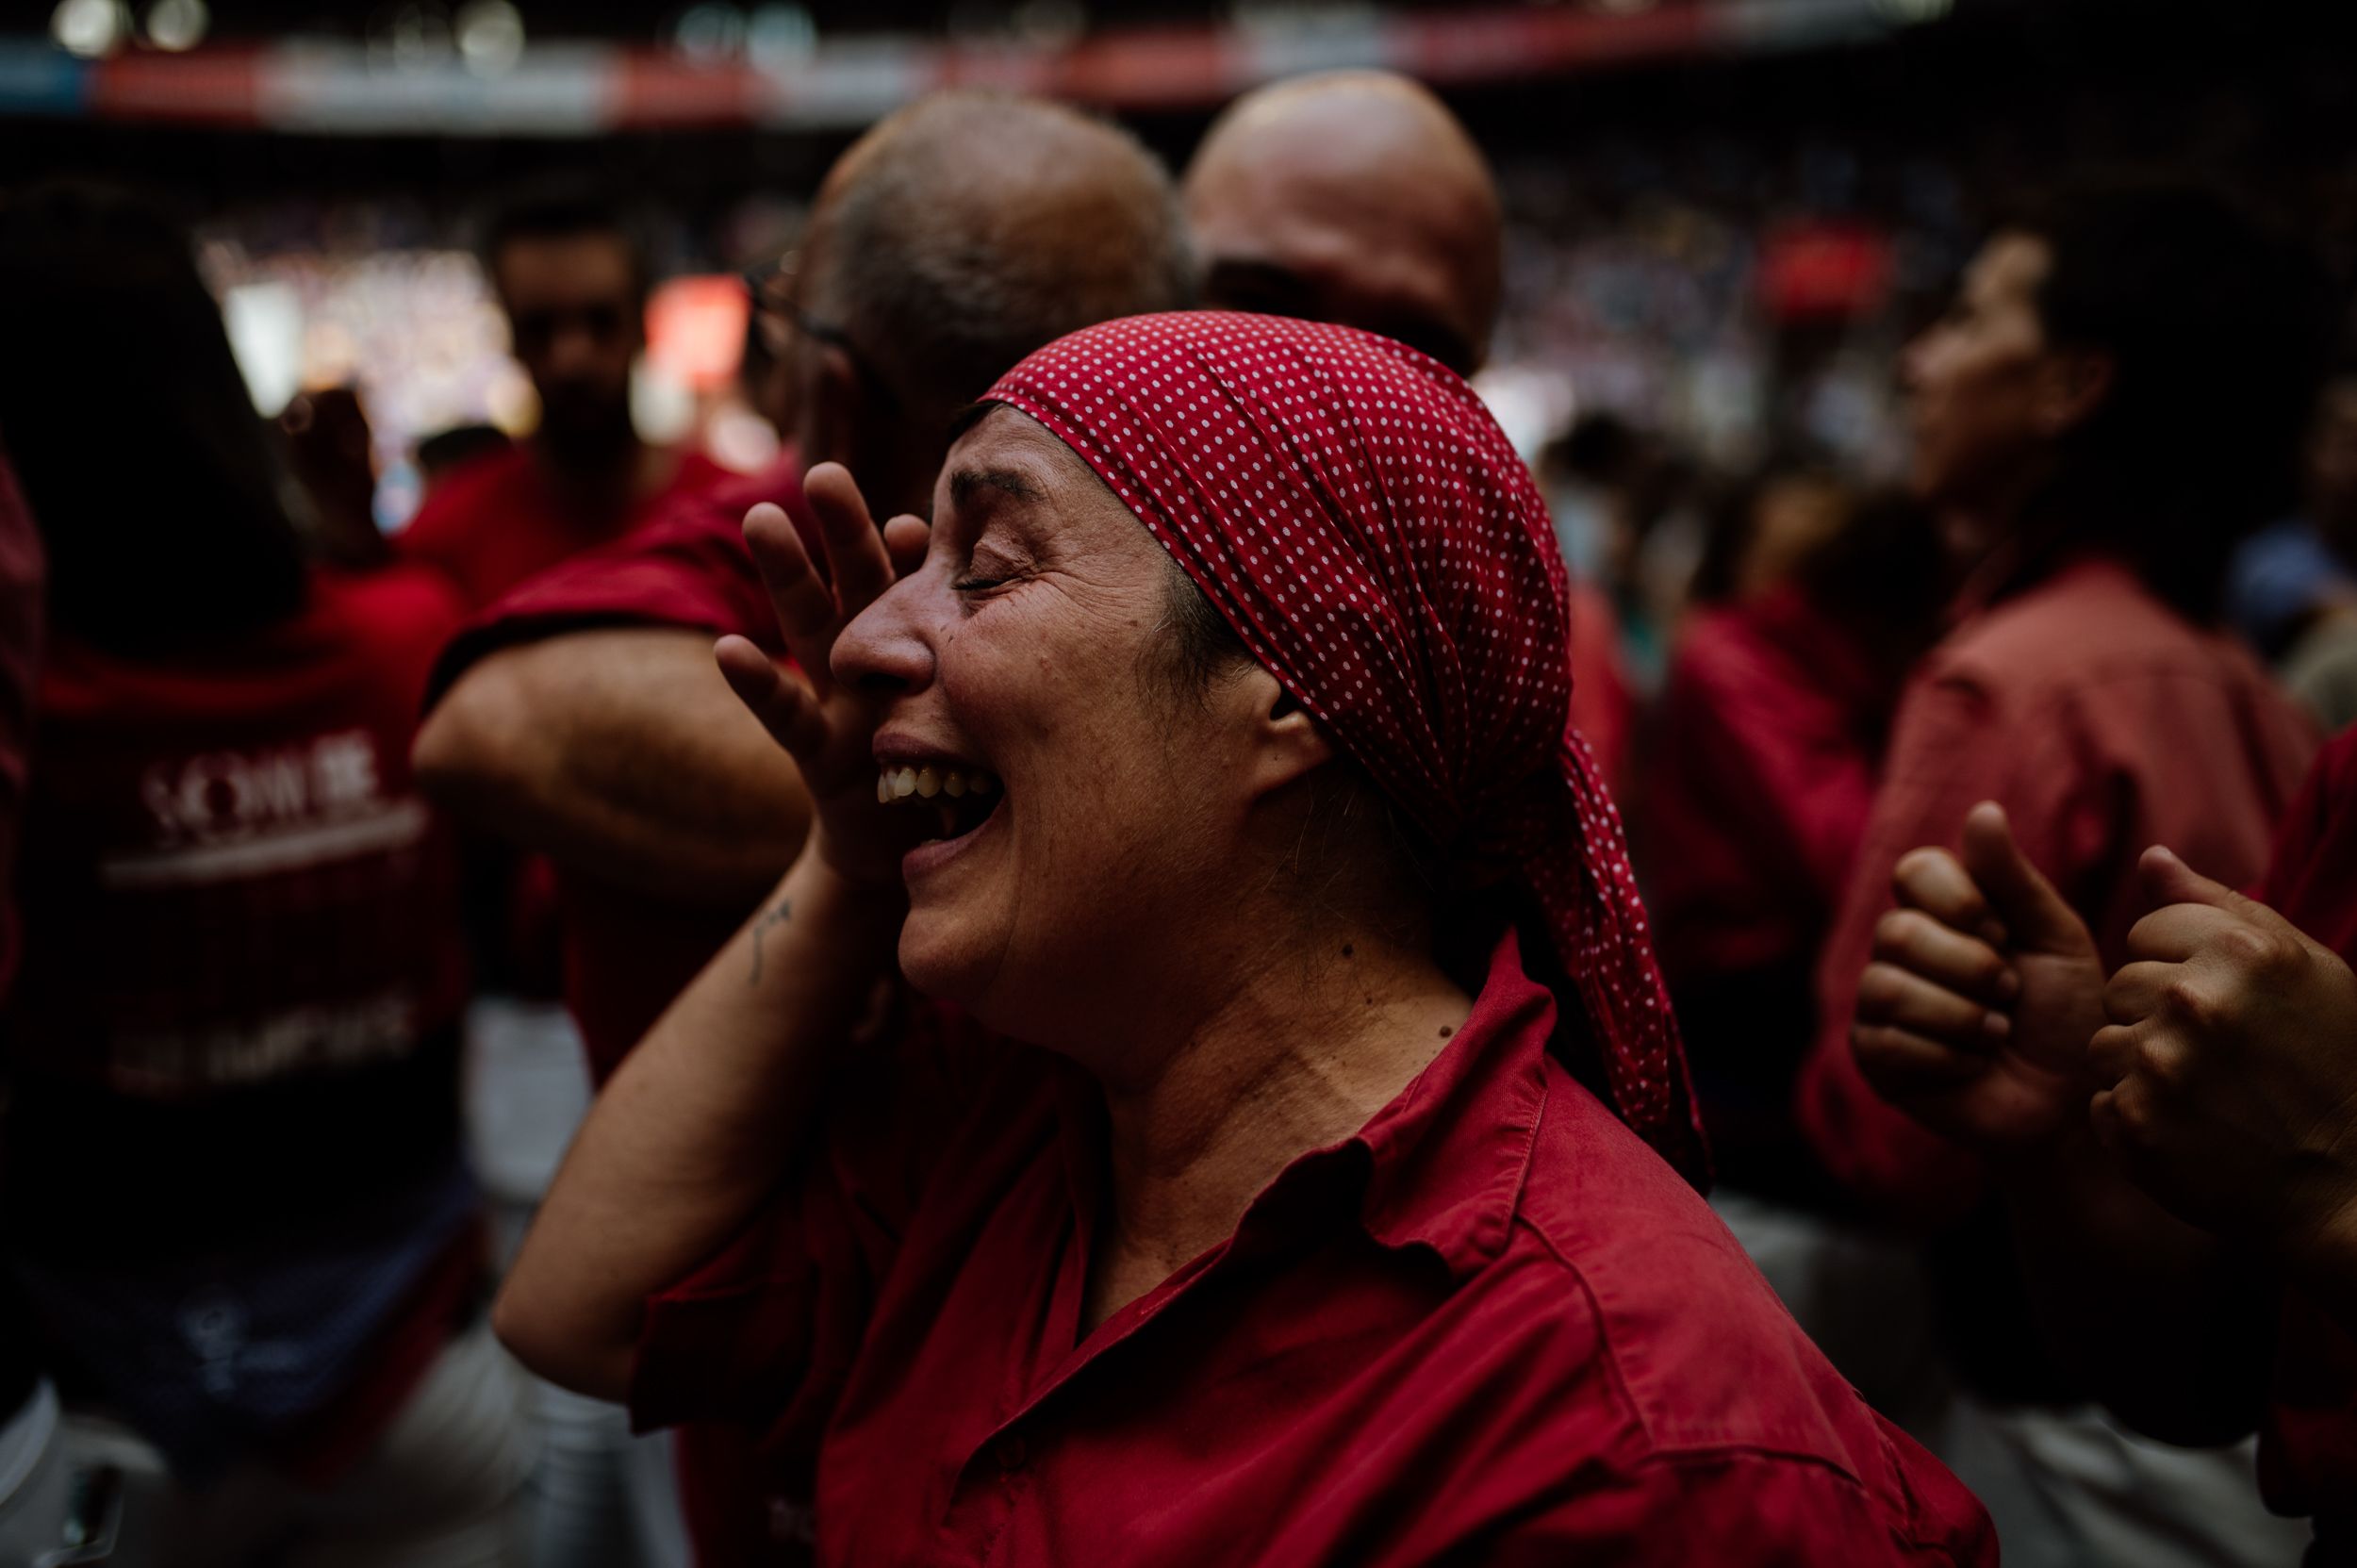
{"points": [[1450, 1154], [1442, 1166]]}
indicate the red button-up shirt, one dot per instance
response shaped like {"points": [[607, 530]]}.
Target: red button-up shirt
{"points": [[1489, 1326], [2104, 723]]}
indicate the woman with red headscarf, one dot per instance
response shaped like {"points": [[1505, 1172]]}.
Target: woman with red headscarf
{"points": [[1338, 1202]]}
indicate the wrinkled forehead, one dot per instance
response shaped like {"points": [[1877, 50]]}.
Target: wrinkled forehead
{"points": [[1003, 462]]}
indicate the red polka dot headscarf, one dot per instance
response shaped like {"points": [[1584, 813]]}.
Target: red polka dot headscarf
{"points": [[1362, 523]]}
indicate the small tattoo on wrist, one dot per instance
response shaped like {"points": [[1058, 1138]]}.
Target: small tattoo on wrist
{"points": [[777, 917]]}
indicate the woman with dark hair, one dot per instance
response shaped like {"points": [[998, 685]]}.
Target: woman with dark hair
{"points": [[2116, 396], [231, 1179], [1337, 1204]]}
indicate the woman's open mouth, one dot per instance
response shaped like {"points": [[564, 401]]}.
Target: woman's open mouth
{"points": [[964, 799]]}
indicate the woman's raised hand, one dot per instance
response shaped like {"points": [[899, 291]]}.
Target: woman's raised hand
{"points": [[1975, 1013], [828, 728]]}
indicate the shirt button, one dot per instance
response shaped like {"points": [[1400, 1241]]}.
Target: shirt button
{"points": [[1012, 1452]]}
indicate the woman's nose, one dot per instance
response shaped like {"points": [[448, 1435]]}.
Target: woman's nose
{"points": [[886, 647]]}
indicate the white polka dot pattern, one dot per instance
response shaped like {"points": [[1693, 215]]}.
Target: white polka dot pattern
{"points": [[1360, 520]]}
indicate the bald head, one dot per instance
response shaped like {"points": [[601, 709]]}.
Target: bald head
{"points": [[970, 228], [1353, 196]]}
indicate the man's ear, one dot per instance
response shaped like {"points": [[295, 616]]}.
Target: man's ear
{"points": [[1287, 743], [835, 410], [2072, 385]]}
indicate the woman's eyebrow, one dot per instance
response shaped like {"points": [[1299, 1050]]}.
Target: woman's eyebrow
{"points": [[964, 483]]}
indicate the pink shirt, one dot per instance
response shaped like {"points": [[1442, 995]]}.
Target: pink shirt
{"points": [[2104, 723]]}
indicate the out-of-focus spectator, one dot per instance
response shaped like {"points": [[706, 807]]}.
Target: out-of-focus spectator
{"points": [[448, 453], [232, 1187], [330, 450], [574, 282], [2116, 396], [2296, 570], [1351, 196], [1811, 604], [35, 1487], [2320, 664]]}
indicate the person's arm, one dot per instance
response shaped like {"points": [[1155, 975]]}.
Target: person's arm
{"points": [[710, 1111], [696, 1128], [620, 752], [1974, 1017]]}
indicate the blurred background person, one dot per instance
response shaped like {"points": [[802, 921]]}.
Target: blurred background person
{"points": [[2087, 685], [2293, 573], [1356, 196], [231, 1180], [573, 281], [2309, 568], [1810, 605], [35, 1483], [1351, 196]]}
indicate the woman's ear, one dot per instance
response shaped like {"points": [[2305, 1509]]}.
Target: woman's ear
{"points": [[1287, 744]]}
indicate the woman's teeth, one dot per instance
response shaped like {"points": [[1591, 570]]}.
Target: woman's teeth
{"points": [[902, 784]]}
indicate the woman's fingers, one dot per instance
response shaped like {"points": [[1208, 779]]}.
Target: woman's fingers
{"points": [[1890, 997], [782, 700], [1946, 956], [857, 561], [805, 606]]}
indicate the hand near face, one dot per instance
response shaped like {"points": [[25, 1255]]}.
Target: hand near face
{"points": [[2232, 1060], [1975, 1013], [827, 726]]}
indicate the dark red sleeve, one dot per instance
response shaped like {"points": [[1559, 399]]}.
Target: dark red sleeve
{"points": [[20, 650], [1950, 748], [1786, 763], [765, 1332], [688, 570]]}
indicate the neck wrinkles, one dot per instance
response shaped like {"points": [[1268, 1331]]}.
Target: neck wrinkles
{"points": [[1297, 1053]]}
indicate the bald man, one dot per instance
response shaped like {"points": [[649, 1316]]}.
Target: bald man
{"points": [[1354, 196], [1351, 196], [584, 719]]}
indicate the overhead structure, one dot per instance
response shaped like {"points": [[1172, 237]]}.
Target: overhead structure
{"points": [[504, 86]]}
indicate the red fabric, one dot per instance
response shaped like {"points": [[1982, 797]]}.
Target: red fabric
{"points": [[1355, 515], [627, 956], [1772, 722], [2104, 723], [500, 520], [2308, 1448], [237, 881], [19, 654], [1491, 1327], [239, 891], [1603, 708]]}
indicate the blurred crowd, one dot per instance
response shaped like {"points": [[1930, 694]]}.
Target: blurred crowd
{"points": [[349, 865]]}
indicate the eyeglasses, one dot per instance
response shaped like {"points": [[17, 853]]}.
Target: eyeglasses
{"points": [[778, 316]]}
